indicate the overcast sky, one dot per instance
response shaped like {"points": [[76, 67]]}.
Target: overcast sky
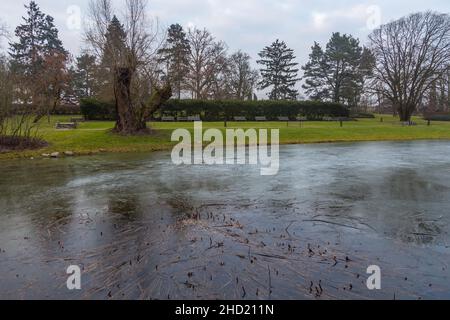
{"points": [[245, 24]]}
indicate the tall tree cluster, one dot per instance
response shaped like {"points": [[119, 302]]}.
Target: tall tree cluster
{"points": [[338, 73], [200, 67]]}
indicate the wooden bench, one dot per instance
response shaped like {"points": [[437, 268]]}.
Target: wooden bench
{"points": [[238, 119], [194, 118], [66, 125], [260, 119], [167, 119]]}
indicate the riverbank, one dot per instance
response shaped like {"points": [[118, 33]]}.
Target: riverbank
{"points": [[96, 137]]}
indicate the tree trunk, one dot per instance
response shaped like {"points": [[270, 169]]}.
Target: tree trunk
{"points": [[405, 113], [127, 121]]}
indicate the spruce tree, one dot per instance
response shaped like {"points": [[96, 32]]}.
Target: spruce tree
{"points": [[37, 38], [85, 76], [175, 56], [115, 52], [279, 71]]}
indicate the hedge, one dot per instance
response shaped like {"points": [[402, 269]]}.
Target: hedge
{"points": [[219, 110], [442, 116], [216, 110], [59, 110], [93, 109]]}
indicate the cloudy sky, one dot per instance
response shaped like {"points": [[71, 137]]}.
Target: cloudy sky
{"points": [[244, 24]]}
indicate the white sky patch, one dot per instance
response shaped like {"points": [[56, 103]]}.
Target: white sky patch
{"points": [[359, 14]]}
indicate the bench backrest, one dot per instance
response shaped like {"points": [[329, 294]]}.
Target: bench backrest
{"points": [[260, 119]]}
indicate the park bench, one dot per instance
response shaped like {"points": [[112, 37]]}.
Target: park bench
{"points": [[301, 119], [66, 125], [260, 119], [284, 119], [167, 119], [194, 118], [240, 119], [182, 119]]}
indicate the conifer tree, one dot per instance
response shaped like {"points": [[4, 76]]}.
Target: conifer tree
{"points": [[279, 71]]}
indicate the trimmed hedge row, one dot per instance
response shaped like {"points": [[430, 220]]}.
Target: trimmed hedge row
{"points": [[214, 110], [64, 110], [93, 109], [437, 117]]}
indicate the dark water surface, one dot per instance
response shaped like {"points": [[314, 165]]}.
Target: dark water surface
{"points": [[141, 228]]}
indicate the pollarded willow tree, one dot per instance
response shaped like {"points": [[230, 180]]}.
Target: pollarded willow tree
{"points": [[128, 50], [410, 54]]}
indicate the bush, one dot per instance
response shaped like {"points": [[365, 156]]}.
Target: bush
{"points": [[59, 110], [93, 109], [214, 110], [67, 110], [437, 117]]}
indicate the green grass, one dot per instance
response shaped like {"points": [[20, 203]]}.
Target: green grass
{"points": [[95, 137]]}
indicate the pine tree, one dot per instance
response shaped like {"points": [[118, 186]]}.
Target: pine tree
{"points": [[85, 76], [175, 56], [114, 57], [338, 73], [115, 52], [279, 71], [37, 37]]}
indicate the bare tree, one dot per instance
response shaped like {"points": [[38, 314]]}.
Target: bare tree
{"points": [[131, 61], [410, 54], [207, 60], [243, 79]]}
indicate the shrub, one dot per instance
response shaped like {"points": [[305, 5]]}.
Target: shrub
{"points": [[67, 110], [59, 110], [216, 110], [93, 109]]}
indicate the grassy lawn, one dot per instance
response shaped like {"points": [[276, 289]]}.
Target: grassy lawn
{"points": [[95, 137]]}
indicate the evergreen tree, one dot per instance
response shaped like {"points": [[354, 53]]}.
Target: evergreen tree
{"points": [[37, 37], [338, 73], [115, 52], [114, 57], [84, 77], [279, 71], [175, 56]]}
